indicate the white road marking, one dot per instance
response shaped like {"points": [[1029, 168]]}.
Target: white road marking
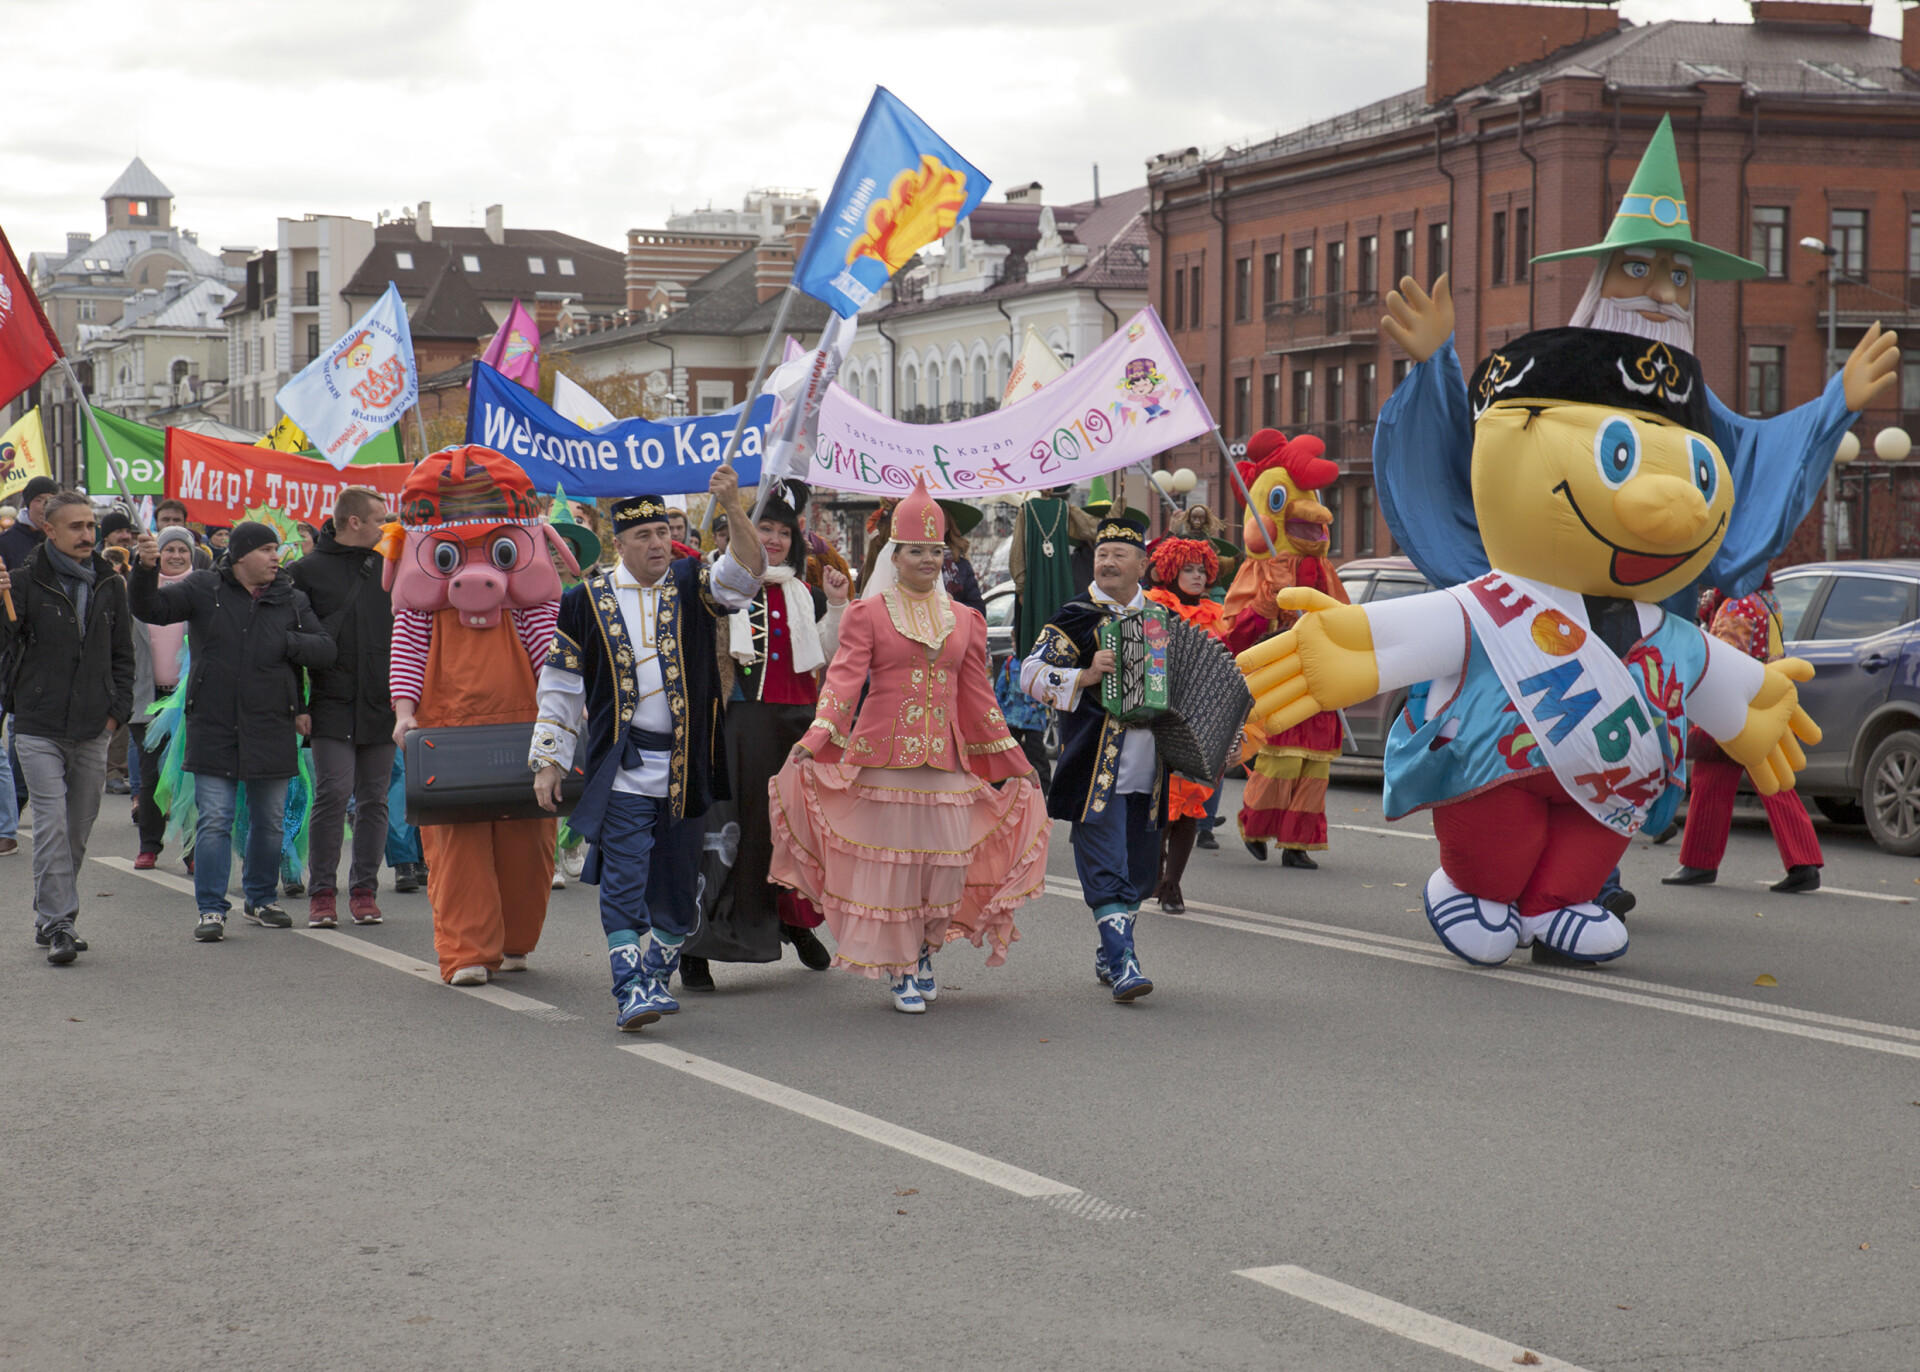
{"points": [[1390, 833], [1843, 891], [1007, 1177], [1698, 1004], [1416, 1326], [386, 957]]}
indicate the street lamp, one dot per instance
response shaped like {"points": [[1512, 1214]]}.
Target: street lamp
{"points": [[1828, 251]]}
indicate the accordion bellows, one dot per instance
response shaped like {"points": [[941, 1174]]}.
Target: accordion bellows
{"points": [[1207, 701]]}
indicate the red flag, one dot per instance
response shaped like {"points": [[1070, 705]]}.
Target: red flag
{"points": [[221, 481], [27, 344]]}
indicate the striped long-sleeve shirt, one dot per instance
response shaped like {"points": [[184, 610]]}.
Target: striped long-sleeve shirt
{"points": [[413, 636]]}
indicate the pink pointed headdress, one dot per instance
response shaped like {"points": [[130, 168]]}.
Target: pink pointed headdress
{"points": [[919, 518]]}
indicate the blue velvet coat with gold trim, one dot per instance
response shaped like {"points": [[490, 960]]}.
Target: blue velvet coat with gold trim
{"points": [[1090, 738]]}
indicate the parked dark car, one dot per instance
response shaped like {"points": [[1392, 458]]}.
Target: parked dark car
{"points": [[1858, 623], [1372, 579]]}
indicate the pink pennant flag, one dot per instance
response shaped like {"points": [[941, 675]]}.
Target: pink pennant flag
{"points": [[515, 350]]}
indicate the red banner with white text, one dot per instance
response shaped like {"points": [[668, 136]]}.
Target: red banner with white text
{"points": [[221, 481]]}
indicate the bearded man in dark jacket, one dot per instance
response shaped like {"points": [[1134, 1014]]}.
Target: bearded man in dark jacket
{"points": [[249, 634], [351, 706]]}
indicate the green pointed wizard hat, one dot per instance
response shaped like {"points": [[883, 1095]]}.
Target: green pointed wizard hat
{"points": [[582, 540], [1653, 214]]}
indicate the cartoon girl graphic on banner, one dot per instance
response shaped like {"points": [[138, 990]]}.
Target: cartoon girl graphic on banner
{"points": [[1144, 391]]}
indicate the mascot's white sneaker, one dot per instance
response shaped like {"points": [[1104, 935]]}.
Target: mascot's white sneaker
{"points": [[1585, 932], [514, 962], [1482, 932], [468, 976]]}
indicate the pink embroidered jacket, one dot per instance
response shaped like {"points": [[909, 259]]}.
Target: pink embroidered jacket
{"points": [[925, 706]]}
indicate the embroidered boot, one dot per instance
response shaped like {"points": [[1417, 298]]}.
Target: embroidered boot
{"points": [[632, 1005], [923, 978], [657, 966], [1115, 923]]}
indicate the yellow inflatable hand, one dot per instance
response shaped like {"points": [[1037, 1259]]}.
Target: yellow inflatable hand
{"points": [[1769, 746], [1325, 662]]}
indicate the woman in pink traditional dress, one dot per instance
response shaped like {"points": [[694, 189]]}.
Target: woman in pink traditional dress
{"points": [[889, 826]]}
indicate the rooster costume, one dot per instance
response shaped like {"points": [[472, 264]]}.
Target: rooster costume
{"points": [[1286, 797]]}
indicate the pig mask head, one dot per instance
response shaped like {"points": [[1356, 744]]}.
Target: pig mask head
{"points": [[471, 539]]}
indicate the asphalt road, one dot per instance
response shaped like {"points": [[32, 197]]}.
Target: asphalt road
{"points": [[273, 1153]]}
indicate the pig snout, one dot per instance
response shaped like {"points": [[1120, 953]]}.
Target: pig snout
{"points": [[477, 592]]}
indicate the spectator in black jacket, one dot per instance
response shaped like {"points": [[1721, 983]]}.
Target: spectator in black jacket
{"points": [[351, 707], [249, 632], [26, 533], [71, 689]]}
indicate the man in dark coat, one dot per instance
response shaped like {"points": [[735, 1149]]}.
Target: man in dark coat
{"points": [[71, 690], [350, 706], [26, 533], [249, 632]]}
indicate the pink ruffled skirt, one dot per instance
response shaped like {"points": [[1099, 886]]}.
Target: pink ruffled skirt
{"points": [[895, 859]]}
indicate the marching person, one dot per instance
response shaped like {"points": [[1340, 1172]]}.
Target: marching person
{"points": [[71, 634], [1751, 624], [776, 648], [889, 824], [350, 706], [1108, 778], [634, 660], [1183, 569], [156, 654], [250, 631]]}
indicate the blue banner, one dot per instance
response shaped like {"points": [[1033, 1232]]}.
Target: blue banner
{"points": [[627, 457], [901, 188]]}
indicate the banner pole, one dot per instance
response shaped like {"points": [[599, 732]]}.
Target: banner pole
{"points": [[1145, 465], [119, 477], [1233, 475], [746, 409], [421, 424]]}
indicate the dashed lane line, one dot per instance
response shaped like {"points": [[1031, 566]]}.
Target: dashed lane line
{"points": [[1674, 1000], [1416, 1326], [1029, 1185]]}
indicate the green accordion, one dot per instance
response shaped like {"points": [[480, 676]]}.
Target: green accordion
{"points": [[1136, 690]]}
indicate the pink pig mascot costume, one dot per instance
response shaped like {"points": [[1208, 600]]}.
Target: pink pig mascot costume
{"points": [[475, 596]]}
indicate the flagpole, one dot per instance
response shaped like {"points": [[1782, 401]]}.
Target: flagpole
{"points": [[1233, 475], [746, 410], [119, 477], [421, 423]]}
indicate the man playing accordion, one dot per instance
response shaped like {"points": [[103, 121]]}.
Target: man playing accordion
{"points": [[1109, 780]]}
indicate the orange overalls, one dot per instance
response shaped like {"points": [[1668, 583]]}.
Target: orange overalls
{"points": [[488, 883]]}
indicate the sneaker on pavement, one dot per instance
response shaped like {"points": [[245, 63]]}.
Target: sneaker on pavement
{"points": [[321, 913], [42, 938], [211, 928], [559, 879], [62, 946], [117, 786], [514, 962], [362, 906], [9, 846], [1208, 841], [146, 862], [268, 915], [468, 976]]}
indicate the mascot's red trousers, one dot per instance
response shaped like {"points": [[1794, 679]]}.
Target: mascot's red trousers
{"points": [[488, 883], [1526, 842]]}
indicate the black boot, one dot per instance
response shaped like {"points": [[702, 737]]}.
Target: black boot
{"points": [[1256, 846], [1207, 841], [1691, 876], [813, 953], [694, 974], [1803, 877], [1176, 846], [1297, 857]]}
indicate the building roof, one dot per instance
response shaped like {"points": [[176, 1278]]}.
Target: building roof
{"points": [[452, 310], [598, 277], [139, 182], [725, 301], [189, 304], [112, 253]]}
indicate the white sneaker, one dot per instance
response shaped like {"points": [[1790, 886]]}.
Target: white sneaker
{"points": [[1585, 932], [906, 996], [1482, 932], [512, 963], [469, 976], [559, 879]]}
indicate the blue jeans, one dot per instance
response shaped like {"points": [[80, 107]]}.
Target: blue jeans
{"points": [[1212, 816], [649, 866], [1116, 854], [217, 796], [403, 840], [9, 802]]}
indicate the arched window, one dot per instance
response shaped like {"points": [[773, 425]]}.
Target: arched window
{"points": [[933, 385], [1003, 369], [179, 370], [909, 390], [980, 379]]}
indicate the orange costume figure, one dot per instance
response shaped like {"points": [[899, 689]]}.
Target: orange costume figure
{"points": [[475, 596], [1183, 571], [1286, 536]]}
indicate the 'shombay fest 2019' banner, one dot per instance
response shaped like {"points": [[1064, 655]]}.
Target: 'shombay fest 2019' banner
{"points": [[221, 481], [627, 457], [1123, 403]]}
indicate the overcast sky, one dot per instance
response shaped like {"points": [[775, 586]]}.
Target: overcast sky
{"points": [[596, 117]]}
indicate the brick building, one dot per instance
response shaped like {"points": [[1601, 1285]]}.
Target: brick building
{"points": [[1270, 260]]}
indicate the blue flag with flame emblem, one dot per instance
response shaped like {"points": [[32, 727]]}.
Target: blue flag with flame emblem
{"points": [[901, 188]]}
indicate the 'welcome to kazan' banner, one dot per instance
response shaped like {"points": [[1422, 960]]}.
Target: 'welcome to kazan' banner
{"points": [[627, 457], [221, 481], [1124, 402]]}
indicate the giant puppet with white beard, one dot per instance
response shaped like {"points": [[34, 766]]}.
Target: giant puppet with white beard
{"points": [[1643, 284]]}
